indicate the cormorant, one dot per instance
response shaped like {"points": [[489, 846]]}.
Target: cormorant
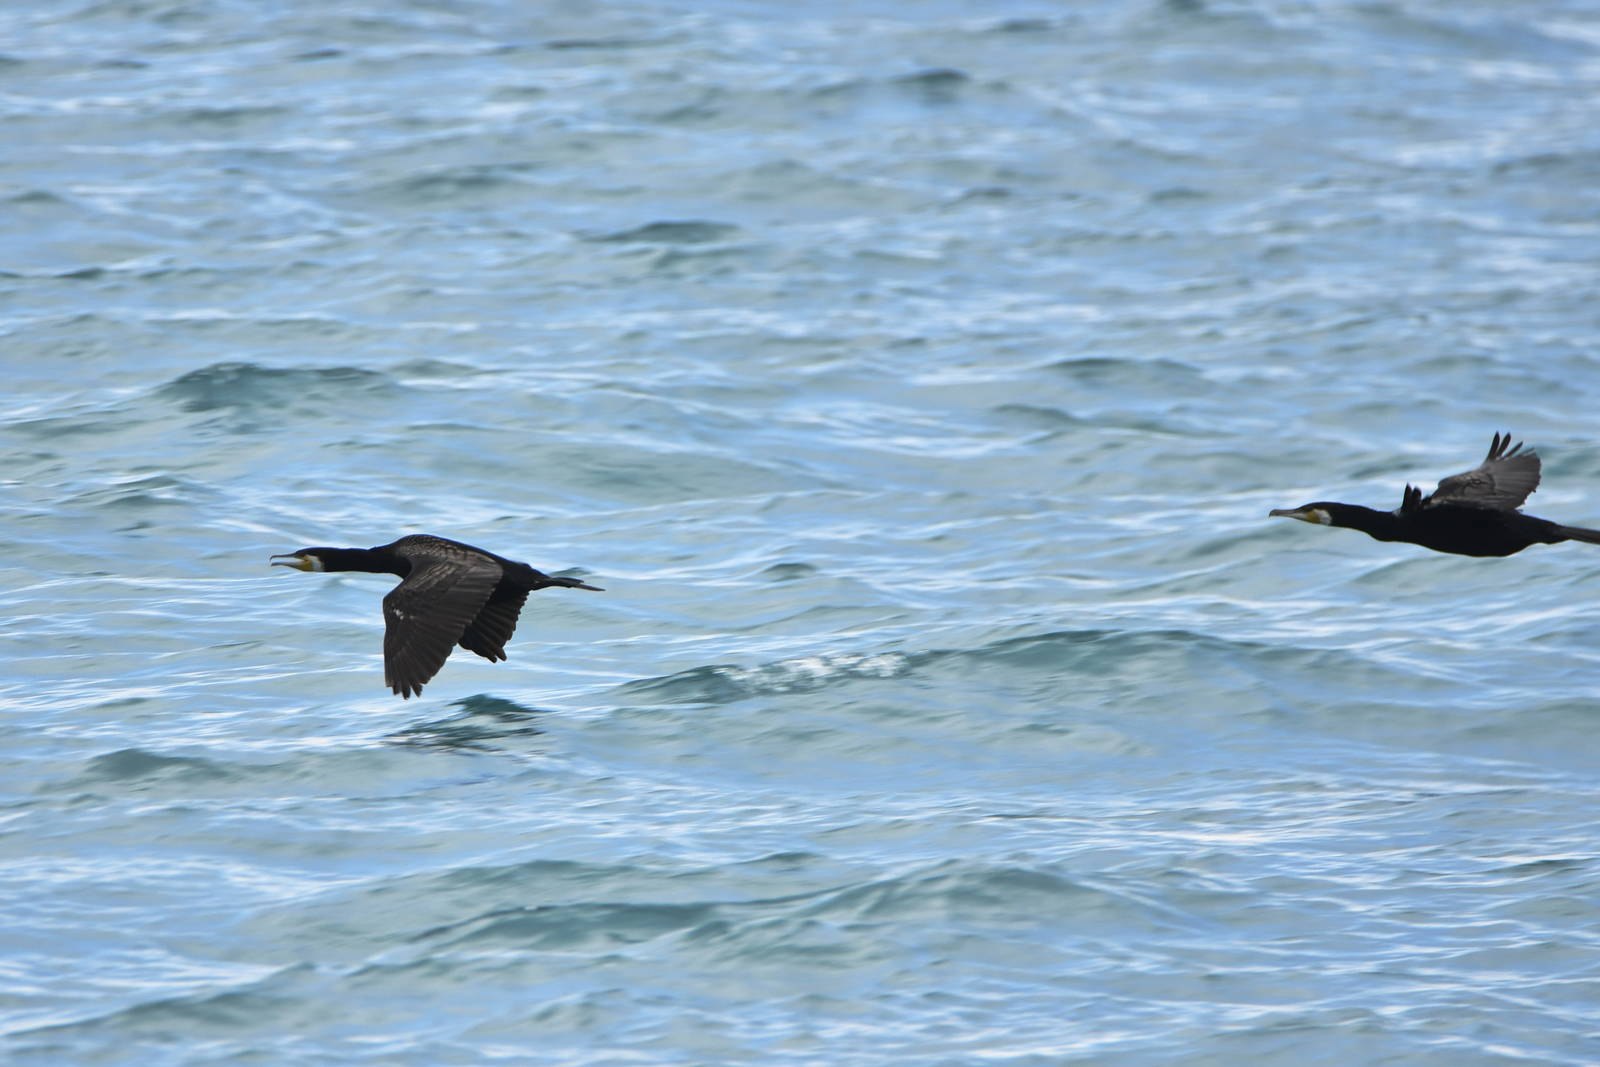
{"points": [[450, 594], [1471, 514]]}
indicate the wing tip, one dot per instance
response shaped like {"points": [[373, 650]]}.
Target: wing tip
{"points": [[1501, 448]]}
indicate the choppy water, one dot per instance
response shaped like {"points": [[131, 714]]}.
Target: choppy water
{"points": [[916, 378]]}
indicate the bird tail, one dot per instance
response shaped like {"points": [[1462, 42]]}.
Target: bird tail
{"points": [[1579, 533], [548, 580]]}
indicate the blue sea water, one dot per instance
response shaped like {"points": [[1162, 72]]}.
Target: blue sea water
{"points": [[916, 379]]}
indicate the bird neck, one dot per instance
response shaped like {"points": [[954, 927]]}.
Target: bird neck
{"points": [[370, 560], [1379, 525]]}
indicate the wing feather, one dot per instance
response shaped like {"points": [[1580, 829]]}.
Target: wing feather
{"points": [[488, 633], [425, 615], [1501, 482]]}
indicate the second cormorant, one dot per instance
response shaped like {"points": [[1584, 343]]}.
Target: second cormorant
{"points": [[1474, 513], [450, 594]]}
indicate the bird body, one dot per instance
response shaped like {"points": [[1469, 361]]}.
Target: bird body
{"points": [[450, 593], [1475, 513], [1463, 531]]}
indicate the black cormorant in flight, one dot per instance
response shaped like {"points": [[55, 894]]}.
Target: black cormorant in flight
{"points": [[1471, 514], [450, 594]]}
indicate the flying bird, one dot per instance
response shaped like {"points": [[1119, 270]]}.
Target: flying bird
{"points": [[1474, 513], [450, 594]]}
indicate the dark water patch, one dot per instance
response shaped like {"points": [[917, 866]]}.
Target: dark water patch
{"points": [[283, 999], [543, 878], [484, 724], [1003, 894], [1028, 25], [359, 768], [1105, 373], [1540, 731], [426, 905], [938, 85], [785, 944], [479, 184], [121, 704], [789, 572], [1177, 194], [82, 274], [440, 370], [137, 765], [521, 92], [1096, 651], [698, 261], [1087, 661], [230, 117], [699, 685], [706, 107], [601, 44], [981, 193], [1075, 738], [1543, 868], [930, 86], [99, 424], [243, 387], [680, 231], [569, 927], [786, 863], [1574, 165], [37, 198], [1039, 416]]}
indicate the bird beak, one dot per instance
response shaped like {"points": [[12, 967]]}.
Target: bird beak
{"points": [[295, 560], [1316, 516]]}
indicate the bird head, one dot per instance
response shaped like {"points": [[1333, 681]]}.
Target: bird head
{"points": [[306, 559], [1321, 512]]}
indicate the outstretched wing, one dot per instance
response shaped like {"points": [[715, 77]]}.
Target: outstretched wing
{"points": [[488, 633], [425, 615], [1501, 482]]}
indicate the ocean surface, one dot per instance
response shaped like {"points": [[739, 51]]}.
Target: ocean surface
{"points": [[916, 378]]}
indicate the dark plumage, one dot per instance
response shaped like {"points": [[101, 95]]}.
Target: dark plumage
{"points": [[450, 594], [1474, 513]]}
